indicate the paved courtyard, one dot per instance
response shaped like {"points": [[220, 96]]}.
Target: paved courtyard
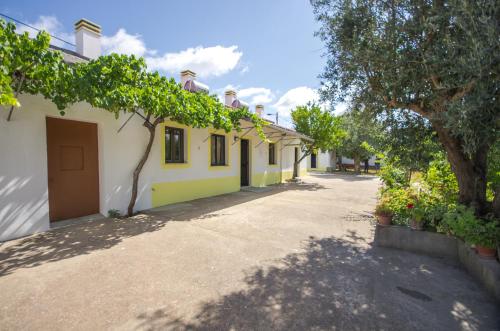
{"points": [[297, 257]]}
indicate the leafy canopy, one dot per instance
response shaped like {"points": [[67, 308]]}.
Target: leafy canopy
{"points": [[362, 135], [320, 125], [439, 59], [26, 65]]}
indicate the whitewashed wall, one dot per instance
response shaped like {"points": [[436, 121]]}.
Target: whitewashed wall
{"points": [[24, 205]]}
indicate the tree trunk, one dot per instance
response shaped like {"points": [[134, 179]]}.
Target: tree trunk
{"points": [[135, 180], [296, 164], [470, 171], [334, 159], [357, 162]]}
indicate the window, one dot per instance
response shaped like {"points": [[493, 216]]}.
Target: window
{"points": [[272, 153], [218, 150], [174, 145]]}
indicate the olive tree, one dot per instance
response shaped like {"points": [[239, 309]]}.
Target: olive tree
{"points": [[436, 58]]}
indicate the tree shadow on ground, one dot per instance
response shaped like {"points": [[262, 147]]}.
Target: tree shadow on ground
{"points": [[89, 236], [342, 284]]}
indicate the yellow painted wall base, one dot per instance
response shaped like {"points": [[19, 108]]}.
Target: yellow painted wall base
{"points": [[303, 173], [172, 192], [287, 175], [270, 178], [265, 178]]}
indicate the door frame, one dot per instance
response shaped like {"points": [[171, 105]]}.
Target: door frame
{"points": [[100, 170], [249, 167]]}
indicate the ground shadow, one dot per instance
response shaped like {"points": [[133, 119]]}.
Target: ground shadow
{"points": [[337, 284], [89, 236]]}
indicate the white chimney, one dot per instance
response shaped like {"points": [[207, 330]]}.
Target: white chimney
{"points": [[187, 75], [259, 110], [88, 38], [230, 96]]}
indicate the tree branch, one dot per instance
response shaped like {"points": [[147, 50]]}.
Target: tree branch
{"points": [[17, 93]]}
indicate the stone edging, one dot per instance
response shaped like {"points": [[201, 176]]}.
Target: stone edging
{"points": [[438, 245]]}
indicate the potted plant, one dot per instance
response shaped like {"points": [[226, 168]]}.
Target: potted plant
{"points": [[417, 214], [483, 234], [383, 213]]}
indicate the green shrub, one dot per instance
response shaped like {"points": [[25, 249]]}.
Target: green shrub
{"points": [[484, 233], [393, 177], [114, 213], [440, 182], [463, 224], [459, 221]]}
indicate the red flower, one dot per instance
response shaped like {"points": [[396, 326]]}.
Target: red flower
{"points": [[410, 206]]}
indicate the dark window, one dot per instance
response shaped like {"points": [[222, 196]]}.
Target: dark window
{"points": [[272, 153], [218, 150], [174, 145]]}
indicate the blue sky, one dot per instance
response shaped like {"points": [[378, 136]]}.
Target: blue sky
{"points": [[264, 49]]}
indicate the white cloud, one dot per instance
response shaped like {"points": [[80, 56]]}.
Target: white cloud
{"points": [[205, 61], [124, 43], [298, 96], [52, 26], [258, 95]]}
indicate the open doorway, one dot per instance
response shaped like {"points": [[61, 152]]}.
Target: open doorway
{"points": [[245, 163]]}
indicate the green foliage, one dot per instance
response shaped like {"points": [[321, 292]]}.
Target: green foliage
{"points": [[493, 170], [436, 58], [362, 135], [440, 181], [26, 64], [418, 211], [114, 213], [397, 200], [393, 176], [321, 126], [463, 224], [408, 142], [383, 206]]}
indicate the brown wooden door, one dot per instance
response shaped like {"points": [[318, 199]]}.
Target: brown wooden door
{"points": [[73, 168]]}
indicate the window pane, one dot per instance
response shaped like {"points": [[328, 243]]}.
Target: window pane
{"points": [[174, 145], [219, 150], [177, 146], [213, 149], [223, 150], [168, 147]]}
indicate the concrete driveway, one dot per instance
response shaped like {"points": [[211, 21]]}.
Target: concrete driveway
{"points": [[297, 257]]}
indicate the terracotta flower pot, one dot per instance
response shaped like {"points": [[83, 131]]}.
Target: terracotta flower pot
{"points": [[486, 252], [415, 225], [384, 220]]}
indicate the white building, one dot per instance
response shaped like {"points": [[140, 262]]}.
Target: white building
{"points": [[57, 167], [322, 161]]}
